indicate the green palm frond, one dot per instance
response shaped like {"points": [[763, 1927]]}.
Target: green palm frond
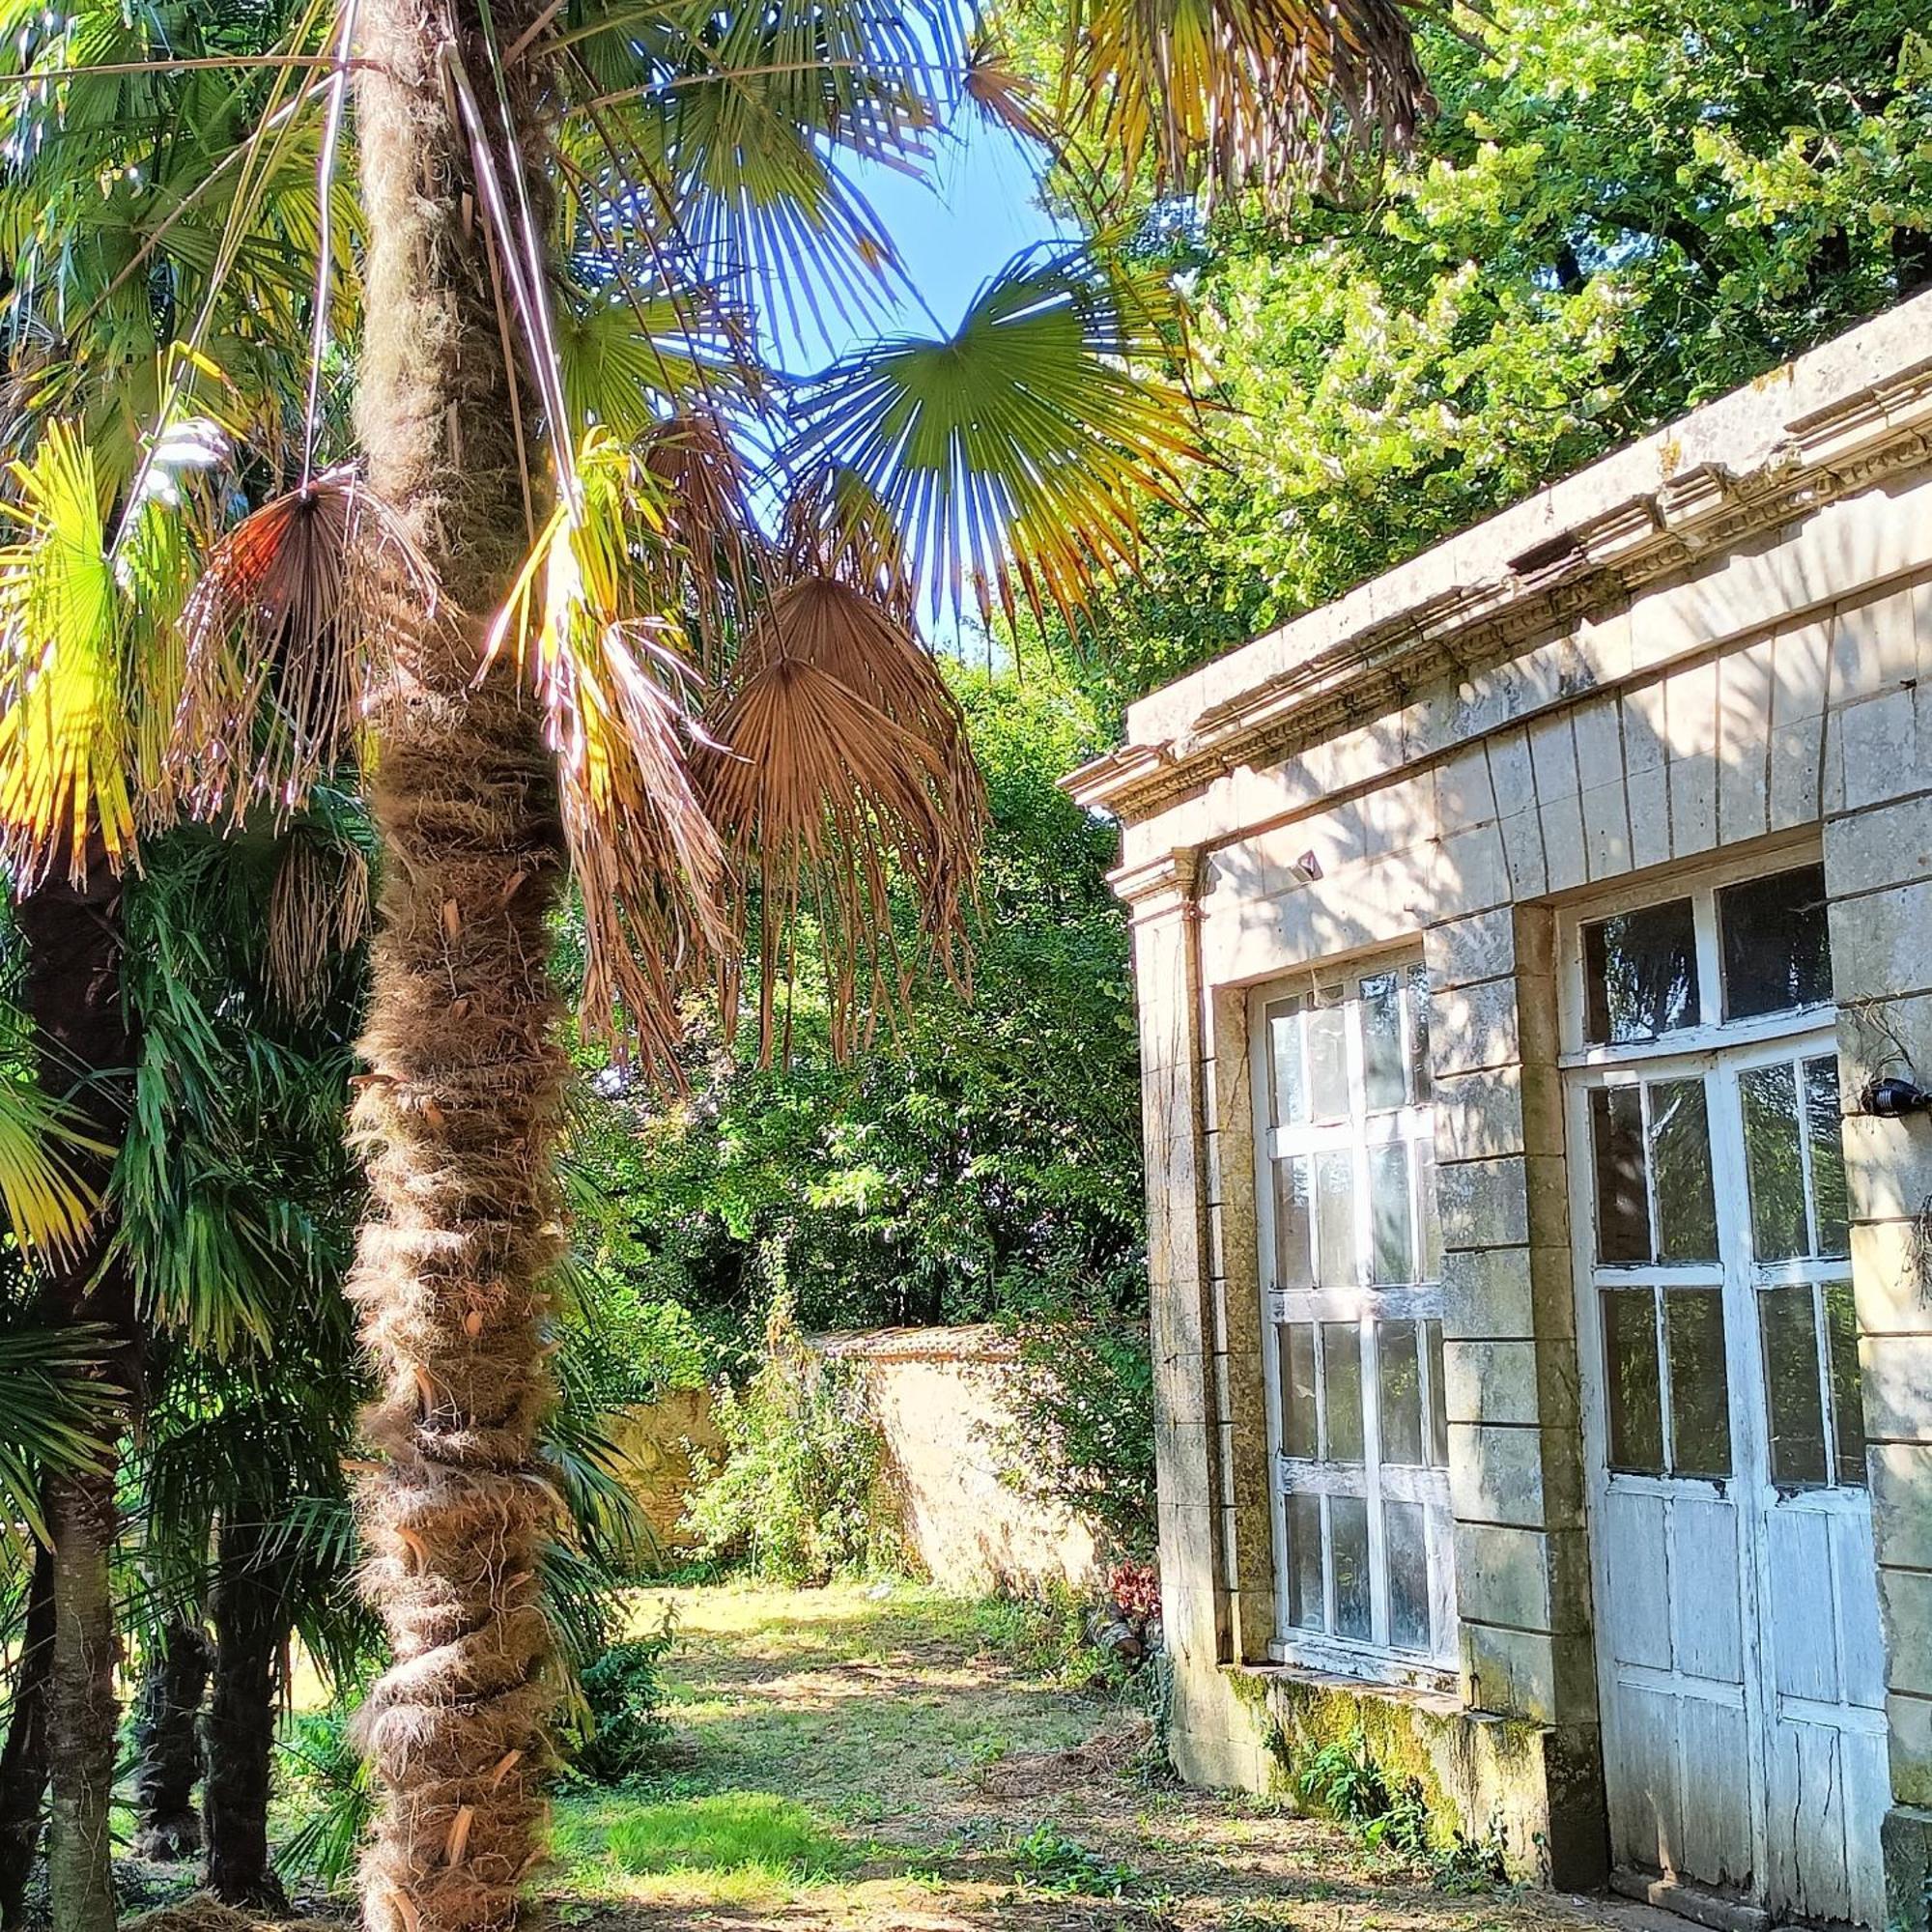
{"points": [[1022, 444], [48, 1205], [56, 1412]]}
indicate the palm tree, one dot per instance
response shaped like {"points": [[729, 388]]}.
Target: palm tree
{"points": [[574, 216]]}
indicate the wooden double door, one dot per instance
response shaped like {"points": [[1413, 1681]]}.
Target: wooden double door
{"points": [[1740, 1667]]}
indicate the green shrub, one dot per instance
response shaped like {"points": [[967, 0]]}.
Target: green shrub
{"points": [[623, 1704], [327, 1783], [1052, 1861], [800, 1494]]}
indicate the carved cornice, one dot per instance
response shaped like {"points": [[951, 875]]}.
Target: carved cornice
{"points": [[1590, 565]]}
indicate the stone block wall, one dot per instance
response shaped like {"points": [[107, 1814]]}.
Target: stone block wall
{"points": [[1761, 695]]}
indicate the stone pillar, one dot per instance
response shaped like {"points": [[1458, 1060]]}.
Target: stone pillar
{"points": [[1165, 922], [1878, 874], [1523, 1581]]}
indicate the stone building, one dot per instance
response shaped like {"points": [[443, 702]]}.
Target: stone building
{"points": [[1542, 1295]]}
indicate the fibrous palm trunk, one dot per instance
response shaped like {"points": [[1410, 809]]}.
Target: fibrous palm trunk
{"points": [[72, 993], [459, 1111], [248, 1608], [167, 1744], [23, 1759]]}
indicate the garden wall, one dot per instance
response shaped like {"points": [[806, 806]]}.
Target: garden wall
{"points": [[944, 1401]]}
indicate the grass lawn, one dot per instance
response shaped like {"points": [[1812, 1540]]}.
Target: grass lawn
{"points": [[890, 1760]]}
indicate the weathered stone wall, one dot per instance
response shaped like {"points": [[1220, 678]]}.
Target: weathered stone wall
{"points": [[944, 1401], [1716, 643]]}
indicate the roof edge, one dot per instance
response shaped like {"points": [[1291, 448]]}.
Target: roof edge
{"points": [[1840, 418]]}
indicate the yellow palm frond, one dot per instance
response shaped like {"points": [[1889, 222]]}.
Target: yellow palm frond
{"points": [[592, 624], [63, 773], [48, 1205]]}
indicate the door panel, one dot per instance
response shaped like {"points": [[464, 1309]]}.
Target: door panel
{"points": [[1742, 1671]]}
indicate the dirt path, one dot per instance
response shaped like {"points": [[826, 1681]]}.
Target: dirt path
{"points": [[879, 1759]]}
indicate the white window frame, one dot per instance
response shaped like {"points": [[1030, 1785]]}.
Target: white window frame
{"points": [[1365, 1304]]}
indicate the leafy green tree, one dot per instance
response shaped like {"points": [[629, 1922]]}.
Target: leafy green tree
{"points": [[1620, 210]]}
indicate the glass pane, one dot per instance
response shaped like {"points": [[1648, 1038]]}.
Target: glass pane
{"points": [[1641, 973], [1623, 1213], [1438, 1409], [1773, 940], [1349, 1534], [1635, 1400], [1828, 1155], [1432, 1220], [1680, 1155], [1789, 1323], [1294, 1265], [1399, 1371], [1406, 1559], [1297, 1343], [1335, 1220], [1342, 1384], [1384, 1073], [1848, 1413], [1304, 1563], [1389, 1214], [1774, 1163], [1291, 1093], [1701, 1405], [1328, 1057], [1421, 1083]]}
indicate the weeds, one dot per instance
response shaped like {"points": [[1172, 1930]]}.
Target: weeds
{"points": [[1392, 1816], [1052, 1863]]}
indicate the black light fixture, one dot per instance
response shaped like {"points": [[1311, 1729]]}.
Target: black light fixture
{"points": [[1891, 1098]]}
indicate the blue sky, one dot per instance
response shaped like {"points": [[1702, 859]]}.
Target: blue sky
{"points": [[973, 208]]}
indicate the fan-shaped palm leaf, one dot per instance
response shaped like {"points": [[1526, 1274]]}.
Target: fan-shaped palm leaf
{"points": [[843, 776], [54, 1411], [1022, 444]]}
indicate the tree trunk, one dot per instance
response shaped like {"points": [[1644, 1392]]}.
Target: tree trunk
{"points": [[249, 1611], [167, 1746], [460, 1109], [86, 1052], [23, 1759]]}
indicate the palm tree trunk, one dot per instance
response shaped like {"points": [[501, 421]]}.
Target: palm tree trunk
{"points": [[85, 1049], [460, 1109], [167, 1744], [23, 1759], [249, 1612]]}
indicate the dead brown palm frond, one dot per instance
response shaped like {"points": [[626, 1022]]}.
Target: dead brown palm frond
{"points": [[290, 637], [708, 519], [842, 774], [318, 910], [591, 626], [993, 81]]}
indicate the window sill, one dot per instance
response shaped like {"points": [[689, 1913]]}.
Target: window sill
{"points": [[1420, 1686]]}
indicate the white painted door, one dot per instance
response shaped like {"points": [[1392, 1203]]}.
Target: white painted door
{"points": [[1737, 1621]]}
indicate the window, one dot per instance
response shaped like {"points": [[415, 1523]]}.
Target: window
{"points": [[1716, 1184], [1352, 1264]]}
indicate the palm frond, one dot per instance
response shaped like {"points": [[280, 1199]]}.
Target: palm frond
{"points": [[286, 653], [49, 1207], [56, 1413], [62, 776], [592, 624], [844, 775], [1240, 92], [1023, 444]]}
